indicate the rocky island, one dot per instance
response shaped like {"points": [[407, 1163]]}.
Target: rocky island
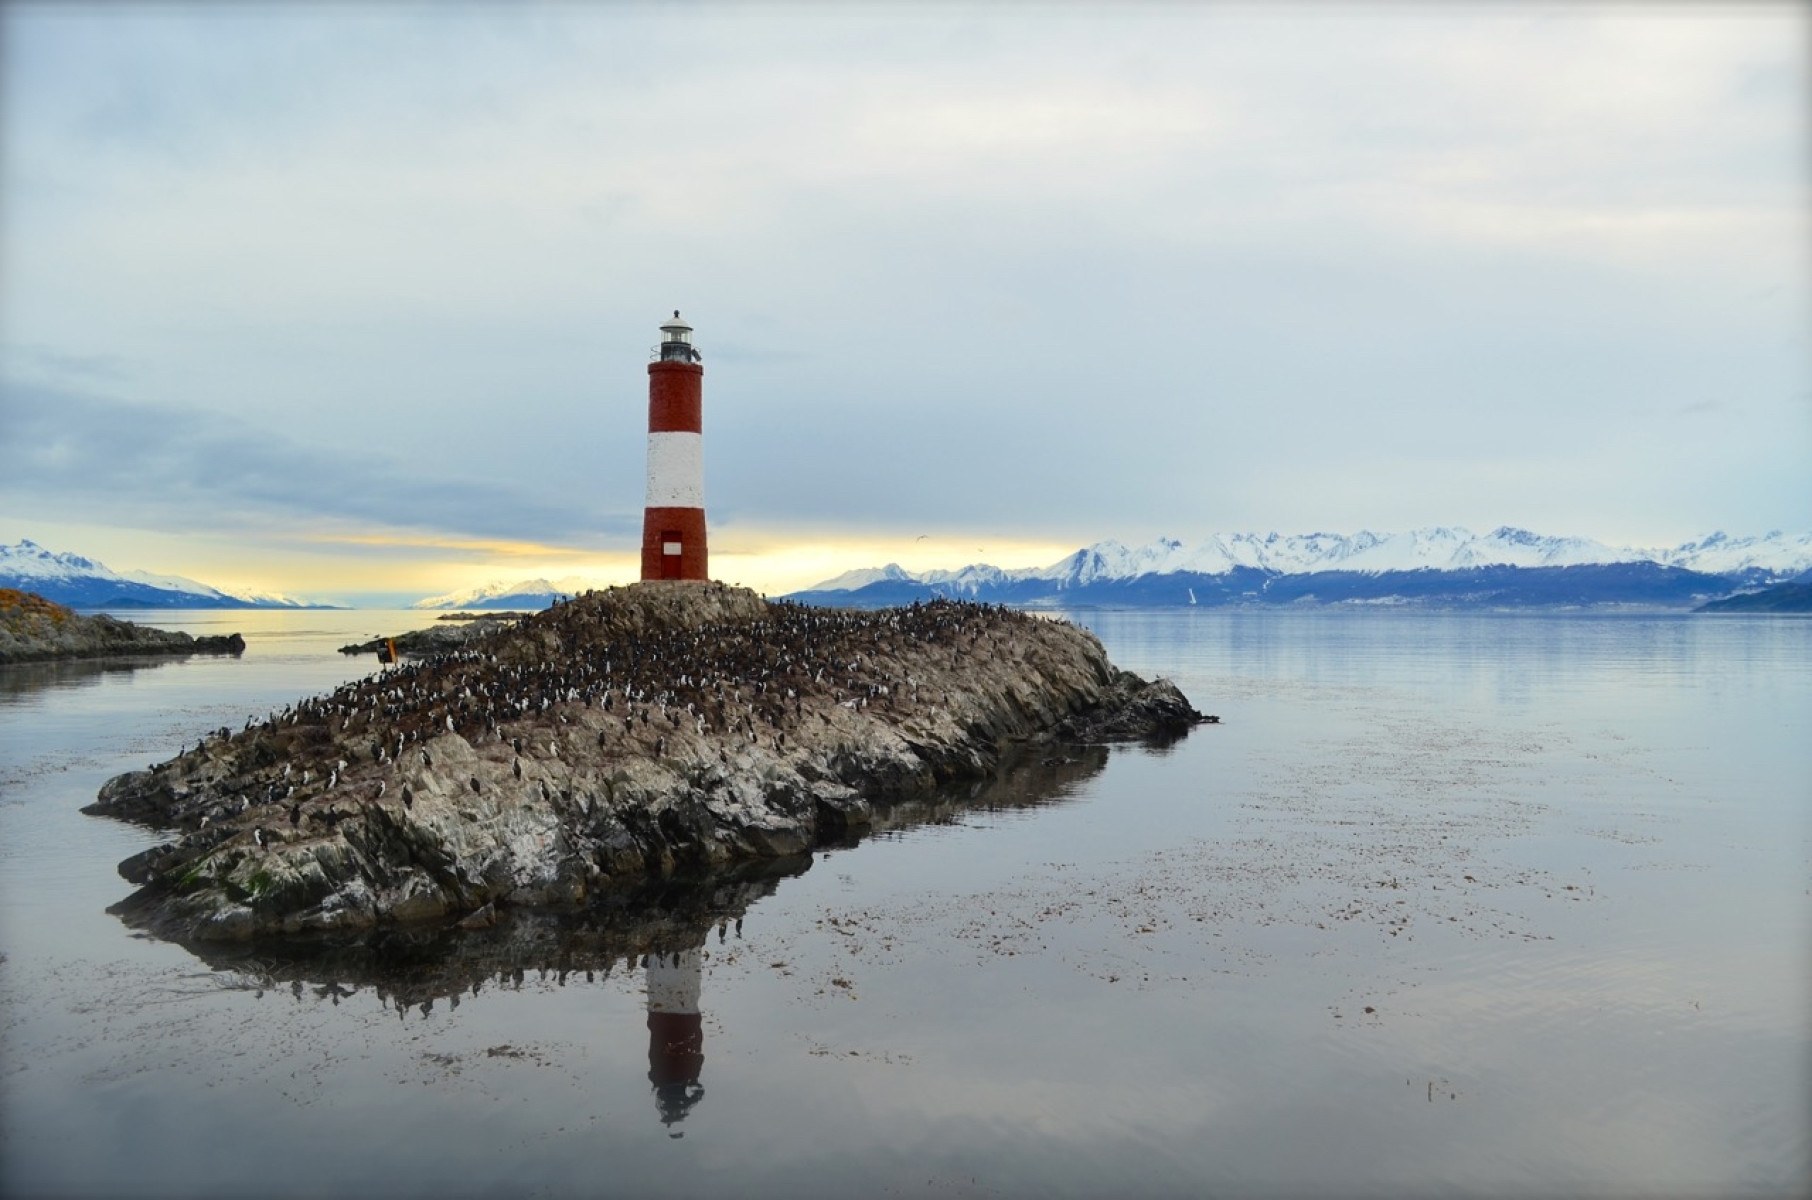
{"points": [[33, 629], [657, 730]]}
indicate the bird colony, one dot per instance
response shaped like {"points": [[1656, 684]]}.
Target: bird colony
{"points": [[655, 730]]}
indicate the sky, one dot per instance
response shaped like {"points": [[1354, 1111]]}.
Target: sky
{"points": [[353, 301]]}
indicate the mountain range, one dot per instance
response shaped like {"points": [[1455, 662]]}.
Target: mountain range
{"points": [[84, 583], [1443, 566]]}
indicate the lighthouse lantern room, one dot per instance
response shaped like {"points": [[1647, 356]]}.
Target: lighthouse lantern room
{"points": [[676, 341], [673, 524]]}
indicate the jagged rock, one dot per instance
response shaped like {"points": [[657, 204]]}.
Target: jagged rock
{"points": [[658, 730], [484, 918], [1135, 710], [33, 629]]}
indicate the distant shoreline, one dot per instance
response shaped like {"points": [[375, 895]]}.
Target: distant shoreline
{"points": [[146, 606]]}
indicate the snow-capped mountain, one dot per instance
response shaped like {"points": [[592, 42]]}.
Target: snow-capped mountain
{"points": [[85, 583], [1775, 553], [528, 593], [1441, 548], [851, 580], [1445, 564]]}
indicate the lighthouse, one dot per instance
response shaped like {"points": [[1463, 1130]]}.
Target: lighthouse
{"points": [[673, 525]]}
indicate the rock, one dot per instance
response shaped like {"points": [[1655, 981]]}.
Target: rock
{"points": [[660, 730], [1156, 711], [33, 629], [439, 639], [484, 918]]}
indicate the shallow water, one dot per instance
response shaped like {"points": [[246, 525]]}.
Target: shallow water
{"points": [[1494, 905]]}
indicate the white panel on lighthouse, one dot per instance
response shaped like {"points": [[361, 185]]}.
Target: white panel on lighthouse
{"points": [[676, 470]]}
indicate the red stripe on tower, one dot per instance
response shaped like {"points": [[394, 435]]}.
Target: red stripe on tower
{"points": [[673, 524]]}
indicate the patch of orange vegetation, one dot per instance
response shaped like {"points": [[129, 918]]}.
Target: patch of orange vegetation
{"points": [[14, 603]]}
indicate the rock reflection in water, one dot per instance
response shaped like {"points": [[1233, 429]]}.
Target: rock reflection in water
{"points": [[662, 928], [1044, 776], [20, 679], [415, 969]]}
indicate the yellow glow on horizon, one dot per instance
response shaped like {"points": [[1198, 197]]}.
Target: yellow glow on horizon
{"points": [[335, 566], [771, 563]]}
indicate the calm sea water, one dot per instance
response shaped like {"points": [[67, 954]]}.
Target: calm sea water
{"points": [[1493, 905]]}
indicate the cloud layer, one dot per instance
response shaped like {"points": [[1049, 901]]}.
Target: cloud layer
{"points": [[1059, 271]]}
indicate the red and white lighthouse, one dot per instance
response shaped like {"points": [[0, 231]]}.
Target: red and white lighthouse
{"points": [[673, 525]]}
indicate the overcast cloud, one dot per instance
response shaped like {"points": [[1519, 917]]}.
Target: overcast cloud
{"points": [[161, 468], [1053, 273]]}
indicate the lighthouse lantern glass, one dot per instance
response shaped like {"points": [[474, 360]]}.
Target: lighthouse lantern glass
{"points": [[676, 341]]}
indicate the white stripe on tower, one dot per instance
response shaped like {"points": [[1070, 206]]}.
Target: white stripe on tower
{"points": [[676, 470]]}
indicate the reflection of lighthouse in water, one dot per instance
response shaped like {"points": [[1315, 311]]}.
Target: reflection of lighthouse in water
{"points": [[676, 1034]]}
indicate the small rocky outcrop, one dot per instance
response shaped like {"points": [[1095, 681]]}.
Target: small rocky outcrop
{"points": [[1793, 596], [660, 730], [33, 629], [438, 639]]}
